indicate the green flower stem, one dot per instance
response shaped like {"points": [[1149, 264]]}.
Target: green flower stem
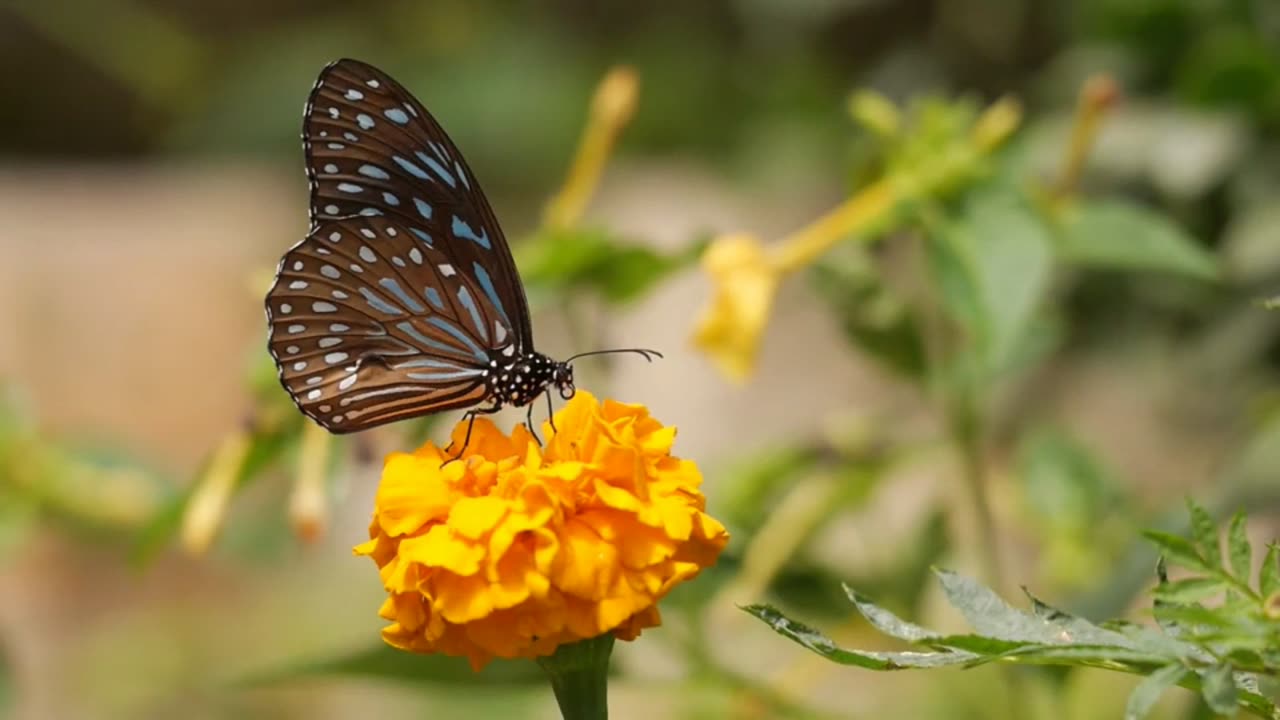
{"points": [[579, 675]]}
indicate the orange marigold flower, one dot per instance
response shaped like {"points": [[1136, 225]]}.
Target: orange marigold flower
{"points": [[516, 549]]}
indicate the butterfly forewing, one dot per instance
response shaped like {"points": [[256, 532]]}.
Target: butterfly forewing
{"points": [[369, 324], [403, 296], [373, 150]]}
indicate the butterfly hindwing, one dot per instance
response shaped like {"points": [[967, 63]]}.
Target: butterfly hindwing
{"points": [[370, 324]]}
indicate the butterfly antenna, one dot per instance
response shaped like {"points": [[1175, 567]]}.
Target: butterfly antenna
{"points": [[646, 354]]}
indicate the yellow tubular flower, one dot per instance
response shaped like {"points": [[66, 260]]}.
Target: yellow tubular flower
{"points": [[745, 281], [516, 549], [611, 109]]}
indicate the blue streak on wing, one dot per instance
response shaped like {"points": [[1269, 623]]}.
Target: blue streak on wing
{"points": [[434, 296], [412, 169], [394, 288], [374, 172], [423, 237], [437, 168], [486, 284], [462, 337], [464, 296], [379, 304], [463, 230], [461, 175], [443, 376], [396, 115], [424, 341], [423, 208], [431, 363]]}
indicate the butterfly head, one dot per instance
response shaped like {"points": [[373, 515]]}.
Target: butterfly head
{"points": [[562, 378]]}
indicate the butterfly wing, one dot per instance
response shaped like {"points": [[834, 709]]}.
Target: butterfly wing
{"points": [[369, 325], [404, 293], [373, 150]]}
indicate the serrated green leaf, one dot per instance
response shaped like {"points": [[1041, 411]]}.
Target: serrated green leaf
{"points": [[1121, 235], [991, 616], [1075, 629], [886, 622], [1178, 550], [1218, 689], [822, 645], [1189, 590], [1145, 695], [1115, 658], [1204, 531], [387, 663], [1239, 551], [1269, 576]]}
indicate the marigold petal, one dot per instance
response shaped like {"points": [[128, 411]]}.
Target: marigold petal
{"points": [[412, 493], [474, 517], [442, 548]]}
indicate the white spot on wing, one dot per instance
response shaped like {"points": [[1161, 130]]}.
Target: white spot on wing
{"points": [[447, 270], [321, 306], [334, 358]]}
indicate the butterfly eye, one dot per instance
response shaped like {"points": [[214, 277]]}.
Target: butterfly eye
{"points": [[567, 392]]}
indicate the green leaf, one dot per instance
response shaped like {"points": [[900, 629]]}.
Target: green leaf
{"points": [[1120, 235], [1074, 629], [387, 663], [1178, 550], [872, 317], [1189, 590], [992, 268], [1009, 252], [1219, 689], [1269, 576], [1145, 695], [1239, 550], [886, 622], [1204, 531], [822, 645], [1065, 484], [991, 616], [594, 259]]}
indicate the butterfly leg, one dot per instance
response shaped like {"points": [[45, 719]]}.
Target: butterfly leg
{"points": [[528, 422], [470, 417], [550, 412]]}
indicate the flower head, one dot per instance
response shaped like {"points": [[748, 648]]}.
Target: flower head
{"points": [[516, 549]]}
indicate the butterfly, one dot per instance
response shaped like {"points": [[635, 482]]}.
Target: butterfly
{"points": [[403, 299]]}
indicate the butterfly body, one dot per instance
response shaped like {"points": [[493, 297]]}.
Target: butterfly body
{"points": [[403, 299]]}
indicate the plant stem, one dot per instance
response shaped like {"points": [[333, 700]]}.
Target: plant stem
{"points": [[967, 433], [579, 675]]}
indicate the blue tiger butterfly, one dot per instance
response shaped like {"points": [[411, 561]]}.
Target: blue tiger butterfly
{"points": [[403, 299]]}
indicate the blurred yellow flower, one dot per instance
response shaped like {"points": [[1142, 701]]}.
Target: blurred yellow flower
{"points": [[745, 274], [517, 549], [744, 280]]}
